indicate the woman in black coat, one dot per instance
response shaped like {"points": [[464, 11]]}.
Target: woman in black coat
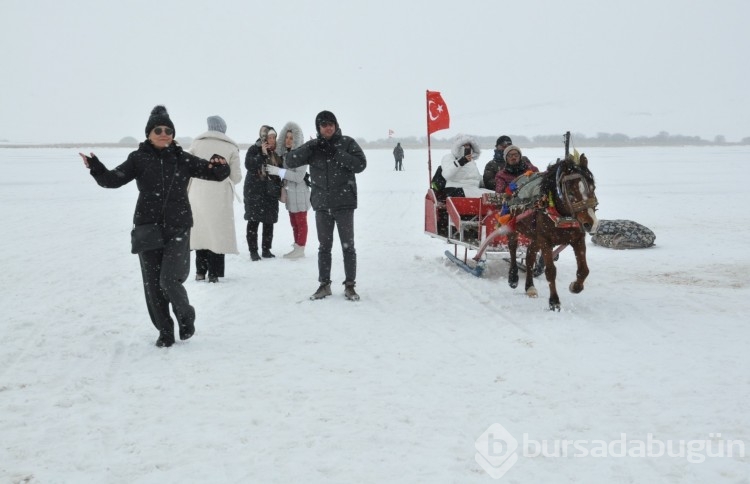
{"points": [[162, 171], [262, 192]]}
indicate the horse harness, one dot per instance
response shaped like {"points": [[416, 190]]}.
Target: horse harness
{"points": [[527, 198]]}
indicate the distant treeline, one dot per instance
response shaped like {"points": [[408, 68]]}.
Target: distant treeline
{"points": [[601, 139], [413, 142]]}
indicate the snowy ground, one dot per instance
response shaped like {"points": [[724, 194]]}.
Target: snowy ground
{"points": [[394, 388]]}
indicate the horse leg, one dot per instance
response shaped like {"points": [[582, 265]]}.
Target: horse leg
{"points": [[531, 251], [550, 271], [579, 248], [513, 270]]}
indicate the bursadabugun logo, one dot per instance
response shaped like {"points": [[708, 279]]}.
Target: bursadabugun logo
{"points": [[496, 451]]}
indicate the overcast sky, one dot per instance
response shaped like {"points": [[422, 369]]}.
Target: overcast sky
{"points": [[91, 71]]}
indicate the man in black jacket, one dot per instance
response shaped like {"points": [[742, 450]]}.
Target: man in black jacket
{"points": [[334, 160]]}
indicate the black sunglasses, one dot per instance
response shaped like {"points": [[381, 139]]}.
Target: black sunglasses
{"points": [[167, 131]]}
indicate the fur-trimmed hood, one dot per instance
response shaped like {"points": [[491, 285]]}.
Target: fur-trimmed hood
{"points": [[297, 141], [457, 148]]}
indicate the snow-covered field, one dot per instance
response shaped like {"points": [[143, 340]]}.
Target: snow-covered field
{"points": [[394, 388]]}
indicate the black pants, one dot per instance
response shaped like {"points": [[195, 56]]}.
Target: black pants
{"points": [[211, 262], [325, 220], [252, 236], [164, 271]]}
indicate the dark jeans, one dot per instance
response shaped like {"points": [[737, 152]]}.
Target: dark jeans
{"points": [[211, 262], [325, 220], [164, 271], [252, 236]]}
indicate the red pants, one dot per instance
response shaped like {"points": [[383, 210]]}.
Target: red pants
{"points": [[299, 227]]}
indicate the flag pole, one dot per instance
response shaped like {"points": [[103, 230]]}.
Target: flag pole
{"points": [[429, 149]]}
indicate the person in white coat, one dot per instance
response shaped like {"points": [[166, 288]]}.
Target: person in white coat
{"points": [[295, 185], [213, 233], [462, 177]]}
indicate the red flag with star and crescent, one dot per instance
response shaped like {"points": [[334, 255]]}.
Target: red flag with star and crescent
{"points": [[437, 113]]}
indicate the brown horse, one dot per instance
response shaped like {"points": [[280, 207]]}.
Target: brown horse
{"points": [[561, 217]]}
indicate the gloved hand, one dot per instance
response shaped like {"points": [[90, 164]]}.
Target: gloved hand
{"points": [[275, 170], [463, 160], [326, 147], [89, 160], [272, 170]]}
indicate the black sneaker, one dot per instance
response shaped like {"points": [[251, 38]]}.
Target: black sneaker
{"points": [[349, 292], [323, 291], [213, 278]]}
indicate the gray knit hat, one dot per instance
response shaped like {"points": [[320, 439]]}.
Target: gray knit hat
{"points": [[216, 123], [510, 148]]}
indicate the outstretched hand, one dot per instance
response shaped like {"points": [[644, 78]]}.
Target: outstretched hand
{"points": [[86, 159]]}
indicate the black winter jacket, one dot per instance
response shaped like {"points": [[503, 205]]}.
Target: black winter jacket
{"points": [[260, 205], [334, 186], [159, 174]]}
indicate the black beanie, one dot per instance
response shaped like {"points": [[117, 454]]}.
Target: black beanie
{"points": [[159, 117], [503, 140], [325, 116]]}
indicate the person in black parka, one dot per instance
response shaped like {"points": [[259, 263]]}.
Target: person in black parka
{"points": [[162, 171], [398, 156], [262, 192], [334, 161]]}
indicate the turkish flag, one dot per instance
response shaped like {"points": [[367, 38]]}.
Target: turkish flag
{"points": [[437, 113]]}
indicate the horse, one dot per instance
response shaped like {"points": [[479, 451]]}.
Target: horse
{"points": [[562, 216]]}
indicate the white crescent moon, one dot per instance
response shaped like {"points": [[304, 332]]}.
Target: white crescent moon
{"points": [[429, 110]]}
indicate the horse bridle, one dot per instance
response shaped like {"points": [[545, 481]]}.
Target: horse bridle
{"points": [[563, 182]]}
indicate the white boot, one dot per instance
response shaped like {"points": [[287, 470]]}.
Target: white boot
{"points": [[296, 253]]}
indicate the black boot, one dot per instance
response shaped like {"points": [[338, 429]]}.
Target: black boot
{"points": [[187, 326], [166, 339], [267, 254], [254, 256], [323, 291], [349, 291]]}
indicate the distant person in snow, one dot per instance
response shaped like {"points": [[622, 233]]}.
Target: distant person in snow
{"points": [[515, 165], [295, 187], [162, 171], [398, 156], [496, 163], [334, 161], [459, 168], [262, 192], [213, 233]]}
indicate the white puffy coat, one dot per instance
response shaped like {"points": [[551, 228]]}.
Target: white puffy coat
{"points": [[213, 203], [467, 176], [297, 191]]}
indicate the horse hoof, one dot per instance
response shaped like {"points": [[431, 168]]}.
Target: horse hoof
{"points": [[531, 292], [554, 307], [575, 289], [513, 282]]}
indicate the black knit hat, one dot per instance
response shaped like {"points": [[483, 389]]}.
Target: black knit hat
{"points": [[504, 140], [325, 116], [159, 117]]}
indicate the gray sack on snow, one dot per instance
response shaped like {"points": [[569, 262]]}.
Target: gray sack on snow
{"points": [[623, 234]]}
